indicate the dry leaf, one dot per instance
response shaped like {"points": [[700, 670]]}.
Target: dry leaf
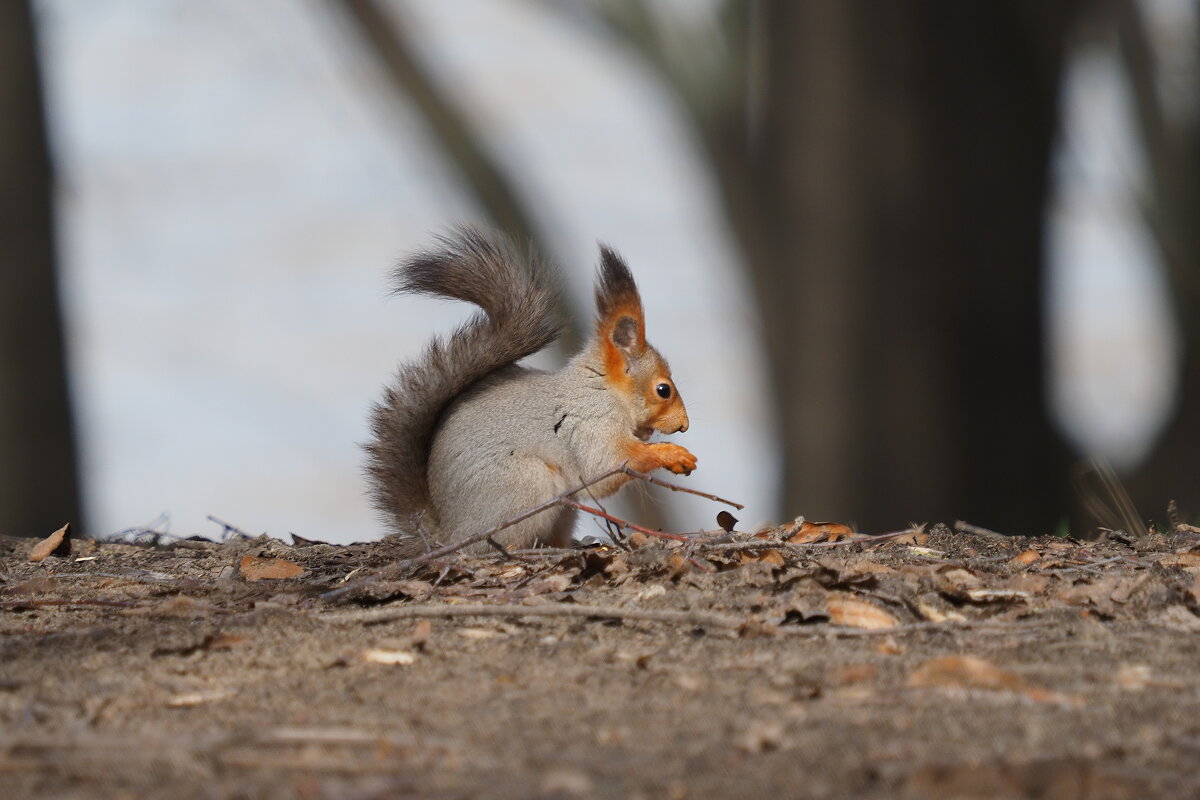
{"points": [[1025, 558], [969, 672], [550, 584], [854, 570], [254, 568], [762, 557], [916, 537], [726, 521], [57, 543], [806, 607], [963, 672], [934, 614], [652, 591], [956, 582], [810, 532], [1097, 593], [858, 614]]}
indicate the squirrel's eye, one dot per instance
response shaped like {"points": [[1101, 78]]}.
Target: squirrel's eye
{"points": [[664, 390]]}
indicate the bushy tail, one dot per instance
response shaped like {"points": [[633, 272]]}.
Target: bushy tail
{"points": [[519, 298]]}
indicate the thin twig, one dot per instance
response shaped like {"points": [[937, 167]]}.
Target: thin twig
{"points": [[841, 631], [554, 502], [675, 488], [769, 544], [376, 616], [547, 551], [228, 528], [966, 527], [1091, 566], [620, 523], [710, 619], [19, 604]]}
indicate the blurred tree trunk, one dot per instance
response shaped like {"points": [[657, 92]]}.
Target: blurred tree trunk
{"points": [[886, 167], [38, 484], [1172, 145], [902, 173]]}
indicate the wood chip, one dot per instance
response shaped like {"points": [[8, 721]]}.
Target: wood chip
{"points": [[391, 658], [189, 699]]}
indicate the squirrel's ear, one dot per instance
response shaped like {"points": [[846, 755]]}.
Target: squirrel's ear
{"points": [[622, 322]]}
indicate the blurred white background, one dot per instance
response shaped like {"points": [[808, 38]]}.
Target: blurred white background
{"points": [[236, 180]]}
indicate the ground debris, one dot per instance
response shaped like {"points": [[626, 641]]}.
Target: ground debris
{"points": [[724, 664]]}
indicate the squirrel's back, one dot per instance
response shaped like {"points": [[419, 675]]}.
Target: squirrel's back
{"points": [[519, 298]]}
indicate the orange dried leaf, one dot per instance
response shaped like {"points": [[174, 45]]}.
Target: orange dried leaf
{"points": [[809, 532], [964, 672], [764, 557], [858, 614], [254, 568], [57, 543], [1025, 558], [969, 672]]}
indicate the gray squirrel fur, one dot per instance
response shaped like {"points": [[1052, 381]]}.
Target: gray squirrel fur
{"points": [[465, 439]]}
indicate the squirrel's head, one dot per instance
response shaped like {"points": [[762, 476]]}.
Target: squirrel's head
{"points": [[633, 368]]}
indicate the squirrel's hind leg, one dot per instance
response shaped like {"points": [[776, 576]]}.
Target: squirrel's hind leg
{"points": [[472, 500]]}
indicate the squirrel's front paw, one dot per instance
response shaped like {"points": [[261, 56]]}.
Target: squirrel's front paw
{"points": [[678, 459]]}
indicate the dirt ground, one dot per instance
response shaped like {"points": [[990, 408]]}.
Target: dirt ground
{"points": [[938, 664]]}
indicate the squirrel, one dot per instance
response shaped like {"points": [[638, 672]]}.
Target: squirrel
{"points": [[465, 439]]}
